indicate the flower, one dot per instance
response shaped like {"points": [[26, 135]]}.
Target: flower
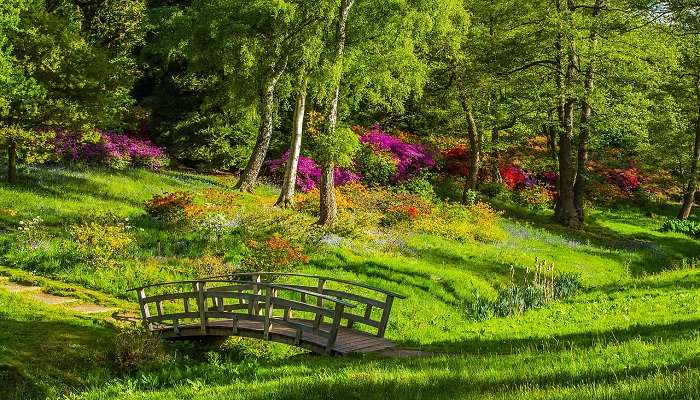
{"points": [[309, 173], [410, 158]]}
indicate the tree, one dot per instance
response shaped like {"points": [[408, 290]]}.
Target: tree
{"points": [[377, 71], [60, 70], [686, 29]]}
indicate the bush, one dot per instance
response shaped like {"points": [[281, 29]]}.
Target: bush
{"points": [[172, 208], [687, 227], [116, 150], [420, 186], [470, 197], [456, 222], [535, 197], [133, 349], [308, 173], [273, 255], [376, 167], [102, 245], [494, 189], [411, 159]]}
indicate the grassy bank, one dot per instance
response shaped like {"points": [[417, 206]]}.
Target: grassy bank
{"points": [[630, 332]]}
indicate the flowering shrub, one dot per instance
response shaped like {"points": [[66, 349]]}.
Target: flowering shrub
{"points": [[274, 254], [535, 197], [400, 213], [117, 150], [309, 173], [625, 179], [33, 232], [457, 161], [517, 178], [172, 208], [478, 222], [410, 158], [102, 245], [209, 265]]}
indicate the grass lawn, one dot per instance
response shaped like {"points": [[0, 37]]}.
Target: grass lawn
{"points": [[632, 332]]}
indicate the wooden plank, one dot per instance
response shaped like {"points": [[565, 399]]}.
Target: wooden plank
{"points": [[385, 316], [268, 313], [168, 317], [299, 306], [333, 334]]}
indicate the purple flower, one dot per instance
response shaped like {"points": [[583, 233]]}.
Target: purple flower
{"points": [[112, 148], [410, 158], [309, 173]]}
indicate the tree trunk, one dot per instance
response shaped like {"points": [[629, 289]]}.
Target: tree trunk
{"points": [[328, 214], [267, 105], [328, 211], [495, 156], [286, 198], [584, 129], [12, 162], [474, 149], [565, 210], [689, 198]]}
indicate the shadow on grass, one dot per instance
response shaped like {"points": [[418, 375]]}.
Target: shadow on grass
{"points": [[37, 355], [647, 333], [653, 253]]}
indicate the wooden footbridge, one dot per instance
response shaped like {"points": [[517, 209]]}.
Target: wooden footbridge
{"points": [[325, 315]]}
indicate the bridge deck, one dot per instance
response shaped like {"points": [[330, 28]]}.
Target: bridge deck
{"points": [[347, 341]]}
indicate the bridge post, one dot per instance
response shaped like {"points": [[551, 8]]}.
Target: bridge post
{"points": [[145, 312], [385, 315], [256, 291], [319, 302], [202, 306], [269, 292], [333, 334]]}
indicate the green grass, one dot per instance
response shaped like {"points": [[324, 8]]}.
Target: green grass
{"points": [[632, 332]]}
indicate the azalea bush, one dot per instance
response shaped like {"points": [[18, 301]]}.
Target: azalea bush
{"points": [[172, 208], [117, 150], [309, 172], [457, 161], [517, 178], [410, 159], [274, 254]]}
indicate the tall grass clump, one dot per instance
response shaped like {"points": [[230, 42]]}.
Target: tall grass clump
{"points": [[538, 287]]}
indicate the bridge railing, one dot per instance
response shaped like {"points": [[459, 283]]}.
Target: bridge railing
{"points": [[373, 305], [203, 303]]}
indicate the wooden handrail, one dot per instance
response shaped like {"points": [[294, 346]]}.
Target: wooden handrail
{"points": [[326, 278]]}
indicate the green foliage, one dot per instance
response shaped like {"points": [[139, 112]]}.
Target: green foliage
{"points": [[103, 245], [470, 197], [376, 167], [422, 186], [538, 288], [336, 147], [535, 197], [494, 190], [134, 349], [687, 227]]}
